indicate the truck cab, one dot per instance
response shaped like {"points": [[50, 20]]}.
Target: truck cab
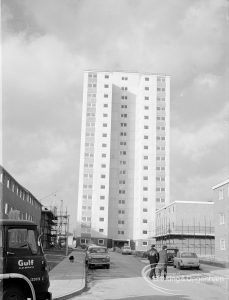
{"points": [[23, 267]]}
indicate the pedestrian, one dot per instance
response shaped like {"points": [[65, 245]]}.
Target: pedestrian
{"points": [[163, 261], [153, 259]]}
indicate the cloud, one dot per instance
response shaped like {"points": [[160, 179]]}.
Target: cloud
{"points": [[196, 145], [42, 99], [207, 80], [44, 74], [199, 158], [48, 43], [196, 187]]}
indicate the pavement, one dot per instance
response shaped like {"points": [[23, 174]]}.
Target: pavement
{"points": [[68, 279], [222, 276]]}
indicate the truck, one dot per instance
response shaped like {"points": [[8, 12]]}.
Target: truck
{"points": [[23, 266]]}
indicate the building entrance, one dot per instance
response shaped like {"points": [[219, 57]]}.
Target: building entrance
{"points": [[120, 244]]}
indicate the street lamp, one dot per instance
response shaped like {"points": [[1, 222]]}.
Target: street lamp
{"points": [[67, 230], [53, 193]]}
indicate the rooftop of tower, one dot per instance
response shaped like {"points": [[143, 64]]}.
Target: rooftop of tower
{"points": [[126, 72]]}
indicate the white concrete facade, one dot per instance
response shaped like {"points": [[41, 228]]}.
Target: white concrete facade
{"points": [[124, 158]]}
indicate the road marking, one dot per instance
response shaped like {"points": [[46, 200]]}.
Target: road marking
{"points": [[145, 275]]}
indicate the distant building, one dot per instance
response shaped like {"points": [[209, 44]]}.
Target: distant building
{"points": [[221, 218], [124, 158], [49, 227], [16, 201], [187, 225]]}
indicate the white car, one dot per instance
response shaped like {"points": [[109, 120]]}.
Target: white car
{"points": [[126, 250], [186, 260]]}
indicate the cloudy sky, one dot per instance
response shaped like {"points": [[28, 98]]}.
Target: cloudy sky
{"points": [[46, 46]]}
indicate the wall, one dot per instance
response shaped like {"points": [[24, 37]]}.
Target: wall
{"points": [[221, 221]]}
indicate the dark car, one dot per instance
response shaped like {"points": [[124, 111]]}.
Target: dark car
{"points": [[97, 256], [172, 252], [83, 246]]}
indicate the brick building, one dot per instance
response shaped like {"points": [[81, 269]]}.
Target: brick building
{"points": [[16, 201]]}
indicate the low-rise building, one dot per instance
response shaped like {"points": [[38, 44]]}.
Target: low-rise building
{"points": [[186, 225], [16, 201], [221, 220]]}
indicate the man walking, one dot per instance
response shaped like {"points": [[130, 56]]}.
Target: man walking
{"points": [[163, 261], [153, 259]]}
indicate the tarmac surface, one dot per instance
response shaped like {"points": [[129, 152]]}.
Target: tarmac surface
{"points": [[68, 279]]}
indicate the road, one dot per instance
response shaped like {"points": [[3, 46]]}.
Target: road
{"points": [[125, 280]]}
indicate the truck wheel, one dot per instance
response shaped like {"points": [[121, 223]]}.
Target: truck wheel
{"points": [[13, 293]]}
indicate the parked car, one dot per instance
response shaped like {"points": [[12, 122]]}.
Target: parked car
{"points": [[83, 246], [89, 245], [172, 252], [186, 260], [97, 256], [126, 250]]}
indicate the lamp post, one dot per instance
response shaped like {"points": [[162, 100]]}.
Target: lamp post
{"points": [[66, 234]]}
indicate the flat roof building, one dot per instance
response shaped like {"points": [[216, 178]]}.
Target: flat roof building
{"points": [[16, 201], [186, 225], [221, 220], [124, 158]]}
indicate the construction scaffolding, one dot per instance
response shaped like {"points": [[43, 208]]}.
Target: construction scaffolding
{"points": [[62, 226], [48, 227], [195, 238], [54, 227]]}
